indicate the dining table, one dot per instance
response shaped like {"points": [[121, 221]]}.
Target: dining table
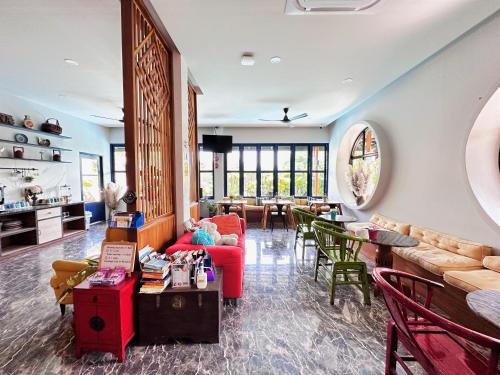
{"points": [[385, 241], [340, 220], [316, 204], [282, 206], [486, 304], [224, 206]]}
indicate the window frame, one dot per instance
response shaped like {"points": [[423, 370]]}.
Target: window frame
{"points": [[363, 155], [212, 171], [113, 147], [240, 147], [100, 174]]}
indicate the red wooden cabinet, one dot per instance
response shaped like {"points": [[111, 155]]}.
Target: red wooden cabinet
{"points": [[104, 317]]}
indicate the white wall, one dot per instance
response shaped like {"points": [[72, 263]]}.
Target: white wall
{"points": [[426, 117], [271, 134], [86, 137], [116, 135]]}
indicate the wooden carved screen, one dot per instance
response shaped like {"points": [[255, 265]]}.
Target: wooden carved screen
{"points": [[148, 122], [193, 144]]}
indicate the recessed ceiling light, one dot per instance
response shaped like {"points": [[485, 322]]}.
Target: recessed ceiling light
{"points": [[61, 95], [275, 60], [247, 59], [347, 80], [71, 62]]}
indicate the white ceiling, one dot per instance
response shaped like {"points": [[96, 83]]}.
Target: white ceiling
{"points": [[35, 38], [318, 52]]}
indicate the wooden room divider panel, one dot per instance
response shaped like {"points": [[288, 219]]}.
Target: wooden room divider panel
{"points": [[194, 186], [147, 91]]}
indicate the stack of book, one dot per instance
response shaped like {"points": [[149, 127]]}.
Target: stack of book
{"points": [[155, 272]]}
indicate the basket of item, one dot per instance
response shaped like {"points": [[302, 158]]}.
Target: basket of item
{"points": [[51, 125]]}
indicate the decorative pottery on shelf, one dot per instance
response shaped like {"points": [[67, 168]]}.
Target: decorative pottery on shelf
{"points": [[43, 142], [28, 122], [6, 119], [21, 138], [56, 155], [51, 125], [18, 152]]}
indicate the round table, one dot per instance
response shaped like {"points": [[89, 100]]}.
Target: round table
{"points": [[486, 304], [385, 240], [341, 219]]}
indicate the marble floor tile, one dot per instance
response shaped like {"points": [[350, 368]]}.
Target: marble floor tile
{"points": [[284, 323]]}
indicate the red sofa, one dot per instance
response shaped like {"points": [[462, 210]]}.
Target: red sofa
{"points": [[230, 258]]}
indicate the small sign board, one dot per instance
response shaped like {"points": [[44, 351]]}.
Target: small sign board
{"points": [[118, 254]]}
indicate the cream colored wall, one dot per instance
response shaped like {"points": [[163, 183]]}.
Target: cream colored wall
{"points": [[426, 117]]}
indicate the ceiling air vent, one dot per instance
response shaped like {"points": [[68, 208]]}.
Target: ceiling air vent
{"points": [[297, 7]]}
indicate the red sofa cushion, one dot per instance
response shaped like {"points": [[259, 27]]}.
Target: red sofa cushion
{"points": [[227, 224]]}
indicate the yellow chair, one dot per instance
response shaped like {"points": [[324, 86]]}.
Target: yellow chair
{"points": [[64, 269]]}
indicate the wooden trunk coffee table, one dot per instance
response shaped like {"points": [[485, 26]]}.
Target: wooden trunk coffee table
{"points": [[189, 314]]}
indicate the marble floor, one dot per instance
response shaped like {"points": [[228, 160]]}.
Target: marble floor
{"points": [[284, 323]]}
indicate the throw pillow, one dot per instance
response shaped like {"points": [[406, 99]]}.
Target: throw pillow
{"points": [[201, 237], [228, 239], [228, 224], [492, 262]]}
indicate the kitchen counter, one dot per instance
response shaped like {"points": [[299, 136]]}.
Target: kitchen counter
{"points": [[12, 211]]}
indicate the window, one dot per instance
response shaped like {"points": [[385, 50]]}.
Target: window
{"points": [[365, 157], [91, 177], [318, 171], [285, 169], [206, 173], [118, 165]]}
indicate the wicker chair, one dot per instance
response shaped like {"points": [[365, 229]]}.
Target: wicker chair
{"points": [[338, 255]]}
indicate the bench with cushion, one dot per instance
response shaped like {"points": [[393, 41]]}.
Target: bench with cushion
{"points": [[378, 221], [459, 261], [485, 278]]}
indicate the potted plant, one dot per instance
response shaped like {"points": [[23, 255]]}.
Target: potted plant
{"points": [[212, 208]]}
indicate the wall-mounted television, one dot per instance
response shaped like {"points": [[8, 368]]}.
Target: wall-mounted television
{"points": [[218, 143]]}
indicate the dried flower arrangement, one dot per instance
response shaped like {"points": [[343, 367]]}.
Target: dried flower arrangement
{"points": [[357, 180], [113, 194]]}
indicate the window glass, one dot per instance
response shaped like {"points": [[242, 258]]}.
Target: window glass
{"points": [[250, 159], [233, 160], [266, 158], [233, 183], [207, 184], [318, 158], [121, 178], [301, 156], [283, 183], [266, 184], [90, 168], [206, 160], [318, 184], [250, 184], [284, 155], [120, 159], [300, 184]]}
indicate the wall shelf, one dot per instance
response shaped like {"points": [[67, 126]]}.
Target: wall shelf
{"points": [[39, 160], [34, 145], [13, 232], [23, 129], [72, 218]]}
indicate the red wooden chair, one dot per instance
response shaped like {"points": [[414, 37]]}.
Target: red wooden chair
{"points": [[437, 344]]}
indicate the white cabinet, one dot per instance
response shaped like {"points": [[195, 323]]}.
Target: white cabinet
{"points": [[49, 229], [48, 213]]}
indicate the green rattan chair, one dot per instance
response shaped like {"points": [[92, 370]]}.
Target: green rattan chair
{"points": [[338, 255], [303, 221]]}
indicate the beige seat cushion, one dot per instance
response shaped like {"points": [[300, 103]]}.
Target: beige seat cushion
{"points": [[450, 243], [473, 280], [301, 202], [492, 263], [251, 201], [391, 224], [436, 260]]}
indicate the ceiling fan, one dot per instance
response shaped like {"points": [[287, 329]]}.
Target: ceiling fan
{"points": [[109, 118], [286, 119]]}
